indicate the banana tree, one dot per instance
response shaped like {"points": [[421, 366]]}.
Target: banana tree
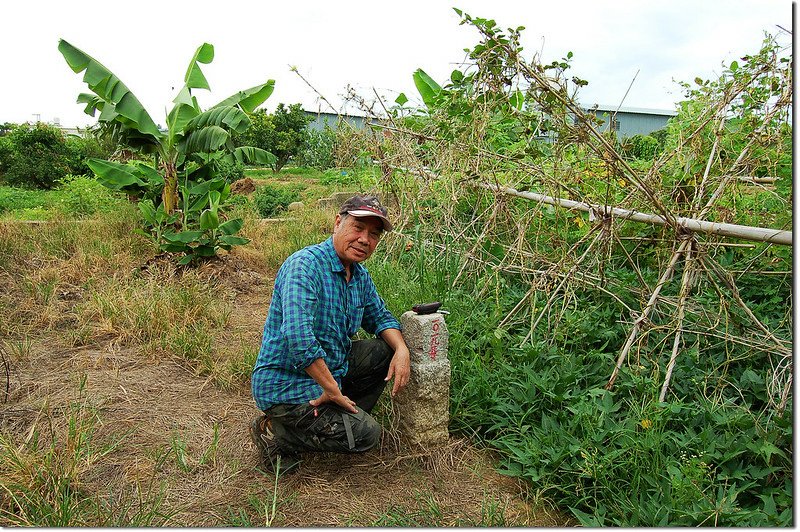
{"points": [[193, 141]]}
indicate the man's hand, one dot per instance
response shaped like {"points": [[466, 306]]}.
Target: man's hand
{"points": [[339, 399], [331, 393], [400, 368]]}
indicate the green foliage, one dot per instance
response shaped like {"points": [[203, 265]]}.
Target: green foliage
{"points": [[13, 199], [202, 229], [362, 178], [270, 200], [84, 196], [319, 149], [35, 156], [76, 196], [86, 146], [230, 171], [614, 458], [6, 151], [282, 133], [641, 147]]}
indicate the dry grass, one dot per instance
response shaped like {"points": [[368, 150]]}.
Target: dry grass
{"points": [[149, 407]]}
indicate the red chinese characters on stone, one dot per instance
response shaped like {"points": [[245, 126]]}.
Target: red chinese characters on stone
{"points": [[435, 340]]}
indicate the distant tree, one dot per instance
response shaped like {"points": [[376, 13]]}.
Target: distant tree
{"points": [[282, 133]]}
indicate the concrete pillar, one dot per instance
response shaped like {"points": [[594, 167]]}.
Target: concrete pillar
{"points": [[423, 406]]}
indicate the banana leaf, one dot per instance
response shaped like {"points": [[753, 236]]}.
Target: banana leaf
{"points": [[230, 116], [253, 155], [231, 226], [208, 139], [194, 77], [251, 98], [118, 100], [115, 175], [427, 87]]}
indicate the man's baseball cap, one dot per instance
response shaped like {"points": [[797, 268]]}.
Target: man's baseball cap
{"points": [[360, 206]]}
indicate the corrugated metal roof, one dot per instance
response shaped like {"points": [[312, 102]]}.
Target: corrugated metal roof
{"points": [[633, 110]]}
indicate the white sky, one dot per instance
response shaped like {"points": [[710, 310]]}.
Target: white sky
{"points": [[364, 44]]}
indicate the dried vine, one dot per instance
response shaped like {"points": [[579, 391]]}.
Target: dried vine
{"points": [[504, 123]]}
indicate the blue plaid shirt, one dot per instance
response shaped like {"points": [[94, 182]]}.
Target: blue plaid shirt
{"points": [[313, 314]]}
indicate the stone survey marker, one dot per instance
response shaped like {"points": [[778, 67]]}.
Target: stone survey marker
{"points": [[423, 406]]}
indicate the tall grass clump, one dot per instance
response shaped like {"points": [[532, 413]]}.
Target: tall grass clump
{"points": [[43, 476], [164, 314], [47, 267], [271, 243]]}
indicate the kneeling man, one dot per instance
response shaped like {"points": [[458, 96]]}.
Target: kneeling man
{"points": [[314, 384]]}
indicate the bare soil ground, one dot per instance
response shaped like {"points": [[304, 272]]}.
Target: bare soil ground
{"points": [[165, 417]]}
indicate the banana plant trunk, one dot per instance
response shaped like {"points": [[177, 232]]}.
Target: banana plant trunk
{"points": [[170, 194]]}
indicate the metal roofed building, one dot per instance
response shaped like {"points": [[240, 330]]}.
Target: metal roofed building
{"points": [[630, 121], [626, 121], [321, 119]]}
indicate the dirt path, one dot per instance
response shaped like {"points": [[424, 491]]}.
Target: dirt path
{"points": [[178, 432]]}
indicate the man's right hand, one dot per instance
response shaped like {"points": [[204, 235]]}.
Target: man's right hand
{"points": [[339, 399]]}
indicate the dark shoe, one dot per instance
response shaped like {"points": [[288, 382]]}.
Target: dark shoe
{"points": [[272, 458]]}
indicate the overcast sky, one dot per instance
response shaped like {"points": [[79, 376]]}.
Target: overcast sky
{"points": [[365, 44]]}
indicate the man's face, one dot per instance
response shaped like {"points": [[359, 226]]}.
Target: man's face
{"points": [[354, 239]]}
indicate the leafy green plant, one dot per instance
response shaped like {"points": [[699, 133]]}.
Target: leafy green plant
{"points": [[641, 147], [202, 232], [319, 149], [13, 198], [35, 156], [270, 200], [84, 196], [230, 171]]}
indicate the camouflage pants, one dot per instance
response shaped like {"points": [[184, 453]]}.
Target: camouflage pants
{"points": [[328, 427]]}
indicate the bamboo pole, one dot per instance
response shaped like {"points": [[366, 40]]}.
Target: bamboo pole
{"points": [[686, 287], [637, 325], [755, 234]]}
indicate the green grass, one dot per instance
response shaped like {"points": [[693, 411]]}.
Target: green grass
{"points": [[76, 197]]}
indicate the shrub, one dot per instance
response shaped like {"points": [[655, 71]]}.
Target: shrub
{"points": [[229, 171], [270, 200], [39, 156], [81, 148], [84, 196], [6, 153], [642, 147]]}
